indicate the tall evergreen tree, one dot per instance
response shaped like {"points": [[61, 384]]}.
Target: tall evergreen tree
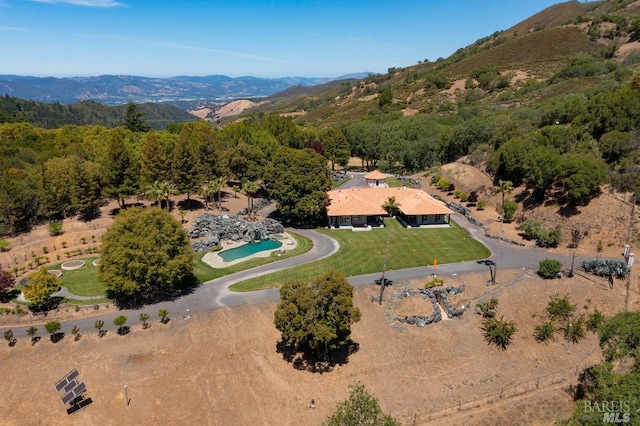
{"points": [[120, 172], [185, 166], [153, 162], [134, 119]]}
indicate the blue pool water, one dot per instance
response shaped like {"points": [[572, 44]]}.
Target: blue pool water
{"points": [[248, 250]]}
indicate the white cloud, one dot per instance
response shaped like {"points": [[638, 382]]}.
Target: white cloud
{"points": [[221, 52], [89, 3], [12, 29]]}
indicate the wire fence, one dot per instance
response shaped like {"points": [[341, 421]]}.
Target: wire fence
{"points": [[567, 375]]}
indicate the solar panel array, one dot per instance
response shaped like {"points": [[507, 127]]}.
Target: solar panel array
{"points": [[72, 391]]}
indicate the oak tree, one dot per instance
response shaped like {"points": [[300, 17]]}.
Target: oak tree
{"points": [[145, 252]]}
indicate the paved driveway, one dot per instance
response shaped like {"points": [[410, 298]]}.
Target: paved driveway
{"points": [[214, 294]]}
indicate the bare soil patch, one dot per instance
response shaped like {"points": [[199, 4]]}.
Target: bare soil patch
{"points": [[606, 218], [222, 368]]}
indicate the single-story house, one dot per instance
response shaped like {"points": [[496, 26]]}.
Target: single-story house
{"points": [[362, 207]]}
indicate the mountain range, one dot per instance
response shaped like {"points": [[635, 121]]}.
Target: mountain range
{"points": [[121, 89]]}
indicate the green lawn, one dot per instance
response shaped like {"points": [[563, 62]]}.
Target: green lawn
{"points": [[205, 272], [394, 182], [83, 281], [363, 253]]}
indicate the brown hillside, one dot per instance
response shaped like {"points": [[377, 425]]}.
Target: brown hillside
{"points": [[541, 51]]}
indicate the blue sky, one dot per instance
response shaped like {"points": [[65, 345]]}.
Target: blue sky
{"points": [[162, 38]]}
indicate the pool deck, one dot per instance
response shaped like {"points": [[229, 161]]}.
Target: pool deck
{"points": [[212, 259]]}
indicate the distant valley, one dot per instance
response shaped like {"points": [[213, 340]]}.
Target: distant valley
{"points": [[183, 91]]}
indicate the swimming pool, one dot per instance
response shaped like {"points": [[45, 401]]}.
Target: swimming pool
{"points": [[248, 249]]}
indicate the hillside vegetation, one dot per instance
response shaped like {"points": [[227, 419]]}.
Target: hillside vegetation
{"points": [[53, 115]]}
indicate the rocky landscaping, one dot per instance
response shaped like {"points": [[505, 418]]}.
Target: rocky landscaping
{"points": [[210, 230]]}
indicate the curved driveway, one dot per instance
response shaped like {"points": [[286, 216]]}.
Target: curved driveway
{"points": [[215, 294]]}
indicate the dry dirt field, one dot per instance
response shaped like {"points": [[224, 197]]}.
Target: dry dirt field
{"points": [[222, 367]]}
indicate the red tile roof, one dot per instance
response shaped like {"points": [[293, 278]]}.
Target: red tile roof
{"points": [[369, 201], [375, 175]]}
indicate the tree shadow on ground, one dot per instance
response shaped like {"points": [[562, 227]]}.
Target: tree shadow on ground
{"points": [[305, 359], [139, 300], [191, 204], [56, 337], [8, 296], [42, 309]]}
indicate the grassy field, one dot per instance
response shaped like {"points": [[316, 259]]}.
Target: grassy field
{"points": [[363, 253], [83, 281]]}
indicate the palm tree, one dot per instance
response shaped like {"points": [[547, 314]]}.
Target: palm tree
{"points": [[250, 189], [166, 189], [390, 206], [153, 192], [504, 187], [207, 190], [98, 325], [217, 184], [32, 331], [144, 318], [163, 314], [8, 336], [76, 333]]}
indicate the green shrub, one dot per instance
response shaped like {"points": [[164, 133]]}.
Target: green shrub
{"points": [[544, 237], [549, 268], [544, 332], [443, 184], [55, 228], [215, 248], [434, 282], [574, 329], [464, 196], [560, 307], [481, 205], [595, 320], [488, 309], [498, 331], [508, 210]]}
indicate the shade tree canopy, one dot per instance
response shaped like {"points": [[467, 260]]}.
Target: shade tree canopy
{"points": [[317, 315], [145, 252], [299, 180]]}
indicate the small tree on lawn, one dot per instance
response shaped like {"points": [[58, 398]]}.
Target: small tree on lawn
{"points": [[52, 328], [40, 286], [360, 409], [76, 333], [31, 332], [98, 325], [144, 318], [8, 336], [120, 323], [164, 316]]}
